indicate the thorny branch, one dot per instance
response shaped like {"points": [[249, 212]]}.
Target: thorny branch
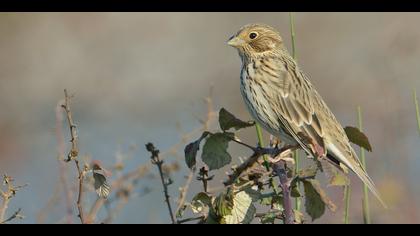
{"points": [[74, 152], [156, 160], [280, 169], [258, 152]]}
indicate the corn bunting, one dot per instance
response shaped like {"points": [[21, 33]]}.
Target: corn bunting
{"points": [[281, 98]]}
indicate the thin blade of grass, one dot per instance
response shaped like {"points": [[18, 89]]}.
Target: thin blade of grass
{"points": [[347, 192], [365, 201], [416, 104], [295, 153]]}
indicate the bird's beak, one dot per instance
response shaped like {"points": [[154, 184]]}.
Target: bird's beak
{"points": [[235, 42]]}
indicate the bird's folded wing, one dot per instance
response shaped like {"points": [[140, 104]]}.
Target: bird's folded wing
{"points": [[296, 111]]}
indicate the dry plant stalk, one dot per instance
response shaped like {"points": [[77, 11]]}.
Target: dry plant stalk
{"points": [[63, 168], [73, 154], [121, 182], [184, 191], [7, 195], [156, 160]]}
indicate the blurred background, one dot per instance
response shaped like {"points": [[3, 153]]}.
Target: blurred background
{"points": [[140, 77]]}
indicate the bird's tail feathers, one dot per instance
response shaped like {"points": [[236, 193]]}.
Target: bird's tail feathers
{"points": [[354, 164]]}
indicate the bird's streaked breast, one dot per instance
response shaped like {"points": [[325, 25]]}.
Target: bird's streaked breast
{"points": [[255, 90]]}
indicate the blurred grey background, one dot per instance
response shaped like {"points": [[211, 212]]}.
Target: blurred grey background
{"points": [[138, 77]]}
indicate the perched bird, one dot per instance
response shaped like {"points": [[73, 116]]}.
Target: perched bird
{"points": [[281, 98]]}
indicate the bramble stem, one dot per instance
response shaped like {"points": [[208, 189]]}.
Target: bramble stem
{"points": [[265, 157], [280, 169]]}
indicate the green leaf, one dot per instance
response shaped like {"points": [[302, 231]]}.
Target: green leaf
{"points": [[267, 198], [212, 218], [338, 179], [200, 202], [243, 210], [273, 200], [357, 137], [314, 205], [278, 203], [227, 120], [224, 203], [268, 218], [180, 212], [316, 199], [191, 153], [192, 149], [250, 189], [295, 192], [215, 153]]}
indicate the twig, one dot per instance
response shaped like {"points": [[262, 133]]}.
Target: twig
{"points": [[156, 160], [253, 159], [203, 176], [280, 169], [144, 169], [117, 184], [265, 157], [191, 219], [63, 168], [74, 152], [4, 205], [80, 195], [254, 149], [7, 195], [15, 215], [184, 190], [278, 214], [122, 193], [90, 218], [242, 168]]}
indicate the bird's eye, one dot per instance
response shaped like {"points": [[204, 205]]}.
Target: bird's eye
{"points": [[253, 35]]}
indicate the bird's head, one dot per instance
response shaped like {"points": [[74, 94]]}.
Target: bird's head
{"points": [[256, 39]]}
